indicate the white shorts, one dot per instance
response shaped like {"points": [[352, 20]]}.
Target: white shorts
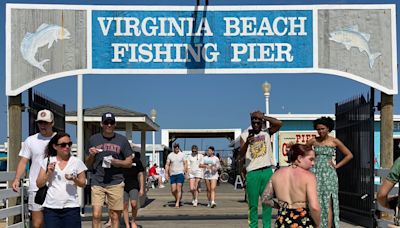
{"points": [[32, 206], [196, 174]]}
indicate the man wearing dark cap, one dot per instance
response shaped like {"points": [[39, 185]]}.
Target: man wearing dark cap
{"points": [[175, 170], [255, 145], [108, 153], [34, 149]]}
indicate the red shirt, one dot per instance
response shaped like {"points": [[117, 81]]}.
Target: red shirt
{"points": [[152, 171]]}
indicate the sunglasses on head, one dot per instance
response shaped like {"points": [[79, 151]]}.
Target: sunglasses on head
{"points": [[63, 145], [109, 122]]}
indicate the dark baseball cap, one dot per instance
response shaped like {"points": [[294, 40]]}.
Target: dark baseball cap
{"points": [[108, 116]]}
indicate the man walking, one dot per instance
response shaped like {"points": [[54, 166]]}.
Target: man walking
{"points": [[255, 145], [134, 188], [34, 149], [108, 153], [175, 170]]}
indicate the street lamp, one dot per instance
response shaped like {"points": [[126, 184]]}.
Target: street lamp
{"points": [[153, 115], [266, 86]]}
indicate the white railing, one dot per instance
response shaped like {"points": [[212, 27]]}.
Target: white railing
{"points": [[6, 194]]}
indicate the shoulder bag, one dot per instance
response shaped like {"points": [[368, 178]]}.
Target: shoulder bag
{"points": [[41, 193]]}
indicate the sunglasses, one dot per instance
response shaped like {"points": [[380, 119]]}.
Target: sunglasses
{"points": [[109, 122], [63, 145], [256, 122]]}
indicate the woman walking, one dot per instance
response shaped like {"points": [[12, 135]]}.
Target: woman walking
{"points": [[295, 188], [195, 173], [63, 173], [211, 165]]}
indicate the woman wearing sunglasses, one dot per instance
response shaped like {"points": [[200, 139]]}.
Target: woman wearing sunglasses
{"points": [[63, 173]]}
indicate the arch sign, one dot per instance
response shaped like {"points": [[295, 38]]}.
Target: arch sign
{"points": [[45, 42]]}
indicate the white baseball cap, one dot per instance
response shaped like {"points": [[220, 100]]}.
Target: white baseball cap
{"points": [[45, 115]]}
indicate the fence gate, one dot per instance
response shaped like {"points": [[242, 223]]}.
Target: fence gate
{"points": [[355, 128], [38, 102]]}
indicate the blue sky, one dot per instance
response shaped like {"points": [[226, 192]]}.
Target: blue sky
{"points": [[198, 101]]}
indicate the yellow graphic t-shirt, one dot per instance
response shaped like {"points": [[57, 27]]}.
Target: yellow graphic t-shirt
{"points": [[258, 147], [259, 154]]}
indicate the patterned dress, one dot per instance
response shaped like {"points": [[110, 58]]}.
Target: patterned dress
{"points": [[327, 183], [294, 217]]}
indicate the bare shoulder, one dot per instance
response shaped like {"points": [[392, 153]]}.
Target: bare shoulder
{"points": [[306, 174], [279, 172], [336, 141], [309, 175]]}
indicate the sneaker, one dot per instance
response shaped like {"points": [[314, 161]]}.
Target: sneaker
{"points": [[194, 203], [213, 204], [209, 204], [161, 186]]}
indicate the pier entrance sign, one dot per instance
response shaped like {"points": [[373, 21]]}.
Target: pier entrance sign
{"points": [[45, 42]]}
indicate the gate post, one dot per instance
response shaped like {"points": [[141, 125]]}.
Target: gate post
{"points": [[386, 136], [14, 140]]}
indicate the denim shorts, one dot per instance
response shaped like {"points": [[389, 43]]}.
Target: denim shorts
{"points": [[177, 179]]}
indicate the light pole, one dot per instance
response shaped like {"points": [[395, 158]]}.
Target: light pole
{"points": [[266, 86], [153, 115]]}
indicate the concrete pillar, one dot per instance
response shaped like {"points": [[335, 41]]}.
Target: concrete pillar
{"points": [[128, 131], [386, 130], [143, 159], [14, 141], [143, 147]]}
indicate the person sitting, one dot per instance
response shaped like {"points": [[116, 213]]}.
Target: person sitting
{"points": [[295, 188], [155, 176]]}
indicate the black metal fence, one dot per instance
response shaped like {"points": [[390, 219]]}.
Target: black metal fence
{"points": [[355, 128], [38, 102]]}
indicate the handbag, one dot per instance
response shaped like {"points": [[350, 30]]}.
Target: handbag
{"points": [[41, 193]]}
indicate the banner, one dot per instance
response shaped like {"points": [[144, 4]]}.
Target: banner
{"points": [[353, 41], [205, 40]]}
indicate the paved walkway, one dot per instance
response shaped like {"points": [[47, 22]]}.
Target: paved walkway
{"points": [[159, 211]]}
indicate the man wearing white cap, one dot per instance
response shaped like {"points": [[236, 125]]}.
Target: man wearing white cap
{"points": [[34, 149]]}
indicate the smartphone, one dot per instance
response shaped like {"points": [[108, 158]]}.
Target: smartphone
{"points": [[252, 132]]}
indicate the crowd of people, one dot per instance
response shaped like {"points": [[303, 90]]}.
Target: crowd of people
{"points": [[117, 175], [194, 168], [305, 192], [117, 180]]}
